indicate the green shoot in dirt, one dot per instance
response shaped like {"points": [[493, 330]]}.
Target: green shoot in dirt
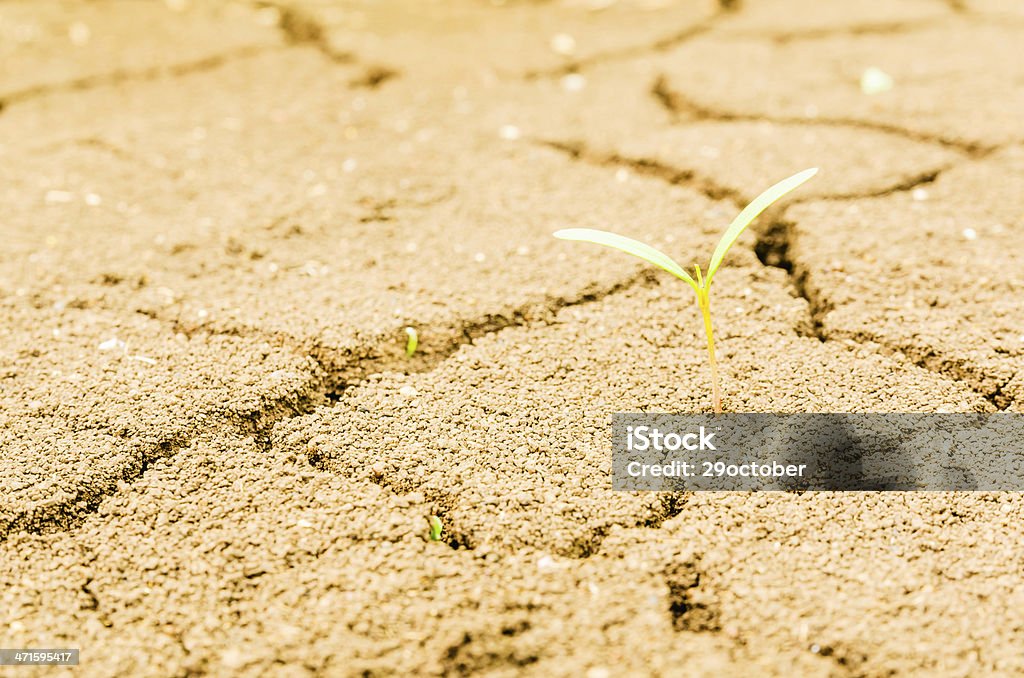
{"points": [[412, 341], [435, 528], [702, 284]]}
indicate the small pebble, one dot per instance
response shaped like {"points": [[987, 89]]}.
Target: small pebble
{"points": [[408, 391], [970, 234]]}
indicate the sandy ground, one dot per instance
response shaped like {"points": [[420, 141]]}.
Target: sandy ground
{"points": [[219, 218]]}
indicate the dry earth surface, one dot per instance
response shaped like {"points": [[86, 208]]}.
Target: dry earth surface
{"points": [[219, 218]]}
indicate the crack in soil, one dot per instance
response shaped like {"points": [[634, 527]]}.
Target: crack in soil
{"points": [[901, 186], [488, 650], [684, 108], [648, 167], [298, 27], [331, 373], [727, 8], [662, 44], [926, 357], [109, 148], [143, 75], [707, 186], [775, 247], [374, 77], [772, 248], [691, 607], [853, 30]]}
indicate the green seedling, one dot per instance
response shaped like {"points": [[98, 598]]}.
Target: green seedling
{"points": [[435, 528], [412, 341], [702, 284]]}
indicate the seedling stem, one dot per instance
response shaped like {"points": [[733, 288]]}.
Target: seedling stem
{"points": [[436, 528], [704, 302]]}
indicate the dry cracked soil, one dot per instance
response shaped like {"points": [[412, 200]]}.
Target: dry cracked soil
{"points": [[219, 218]]}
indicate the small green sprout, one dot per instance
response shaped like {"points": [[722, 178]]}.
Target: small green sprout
{"points": [[413, 341], [435, 528], [702, 284]]}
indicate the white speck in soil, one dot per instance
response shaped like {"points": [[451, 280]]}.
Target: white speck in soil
{"points": [[970, 234], [919, 194], [111, 344], [79, 34], [573, 82], [55, 197], [710, 152], [268, 16], [563, 43], [509, 132], [875, 81]]}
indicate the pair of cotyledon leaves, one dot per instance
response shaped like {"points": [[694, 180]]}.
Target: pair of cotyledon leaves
{"points": [[665, 262]]}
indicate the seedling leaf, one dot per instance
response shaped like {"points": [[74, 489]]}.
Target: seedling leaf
{"points": [[412, 341], [629, 246], [750, 212], [435, 528]]}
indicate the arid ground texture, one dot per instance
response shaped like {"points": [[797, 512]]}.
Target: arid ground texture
{"points": [[217, 220]]}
